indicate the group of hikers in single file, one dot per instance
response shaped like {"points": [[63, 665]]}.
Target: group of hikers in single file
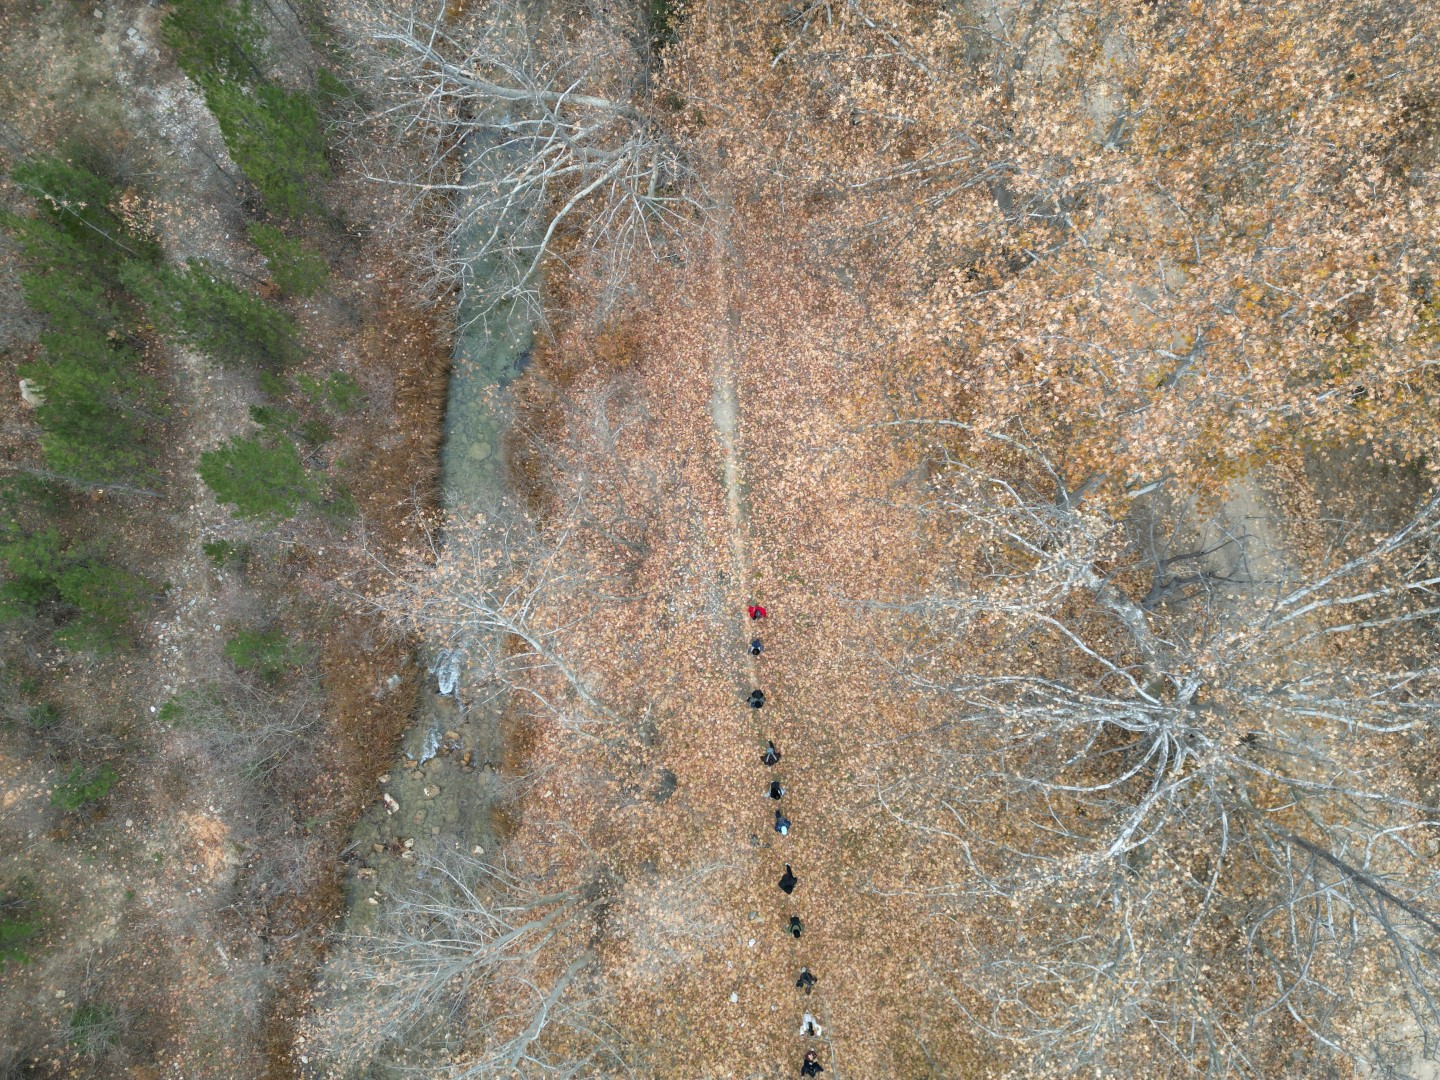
{"points": [[809, 1027]]}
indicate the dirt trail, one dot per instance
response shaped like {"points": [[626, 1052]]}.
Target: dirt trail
{"points": [[725, 413]]}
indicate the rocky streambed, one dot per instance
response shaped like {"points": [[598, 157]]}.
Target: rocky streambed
{"points": [[445, 785]]}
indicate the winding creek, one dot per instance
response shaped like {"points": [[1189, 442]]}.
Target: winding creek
{"points": [[446, 779], [444, 785]]}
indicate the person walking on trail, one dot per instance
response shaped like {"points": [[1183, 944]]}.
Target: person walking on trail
{"points": [[771, 756], [756, 700], [756, 648], [796, 927], [782, 826], [810, 1029], [777, 790], [788, 881], [811, 1065], [806, 981], [756, 611]]}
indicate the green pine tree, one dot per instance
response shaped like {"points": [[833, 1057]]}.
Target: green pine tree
{"points": [[267, 654], [277, 138], [215, 39], [259, 479], [33, 564], [107, 597], [209, 314], [82, 786], [19, 922], [275, 135], [92, 419], [69, 299], [74, 248], [92, 601], [73, 204], [294, 267]]}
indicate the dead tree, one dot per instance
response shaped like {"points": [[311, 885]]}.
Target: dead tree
{"points": [[494, 602], [537, 137], [1205, 815], [479, 971]]}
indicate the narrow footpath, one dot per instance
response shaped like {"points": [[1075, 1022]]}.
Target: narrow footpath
{"points": [[766, 725]]}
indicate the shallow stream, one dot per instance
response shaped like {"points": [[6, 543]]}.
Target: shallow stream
{"points": [[446, 782]]}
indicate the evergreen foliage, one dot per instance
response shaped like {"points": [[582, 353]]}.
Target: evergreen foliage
{"points": [[340, 508], [213, 316], [33, 564], [18, 923], [82, 786], [15, 930], [73, 204], [316, 431], [224, 552], [92, 599], [25, 492], [259, 478], [294, 267], [92, 1029], [71, 300], [95, 405], [333, 92], [107, 596], [215, 39], [266, 653], [338, 391], [275, 135], [95, 400], [276, 419], [42, 717]]}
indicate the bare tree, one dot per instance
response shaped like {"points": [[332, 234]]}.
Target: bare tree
{"points": [[248, 727], [479, 971], [539, 138], [492, 600], [1195, 750]]}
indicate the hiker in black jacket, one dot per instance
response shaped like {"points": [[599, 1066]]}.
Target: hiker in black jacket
{"points": [[806, 981], [756, 700], [788, 881], [771, 755], [782, 825]]}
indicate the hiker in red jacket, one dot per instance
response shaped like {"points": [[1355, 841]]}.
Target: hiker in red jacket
{"points": [[756, 611]]}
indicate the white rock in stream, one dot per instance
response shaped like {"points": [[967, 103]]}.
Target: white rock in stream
{"points": [[446, 670], [431, 747]]}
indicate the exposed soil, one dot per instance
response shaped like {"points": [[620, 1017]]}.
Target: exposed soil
{"points": [[195, 902]]}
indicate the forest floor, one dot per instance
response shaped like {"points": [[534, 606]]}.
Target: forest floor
{"points": [[748, 424], [757, 451], [186, 910]]}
